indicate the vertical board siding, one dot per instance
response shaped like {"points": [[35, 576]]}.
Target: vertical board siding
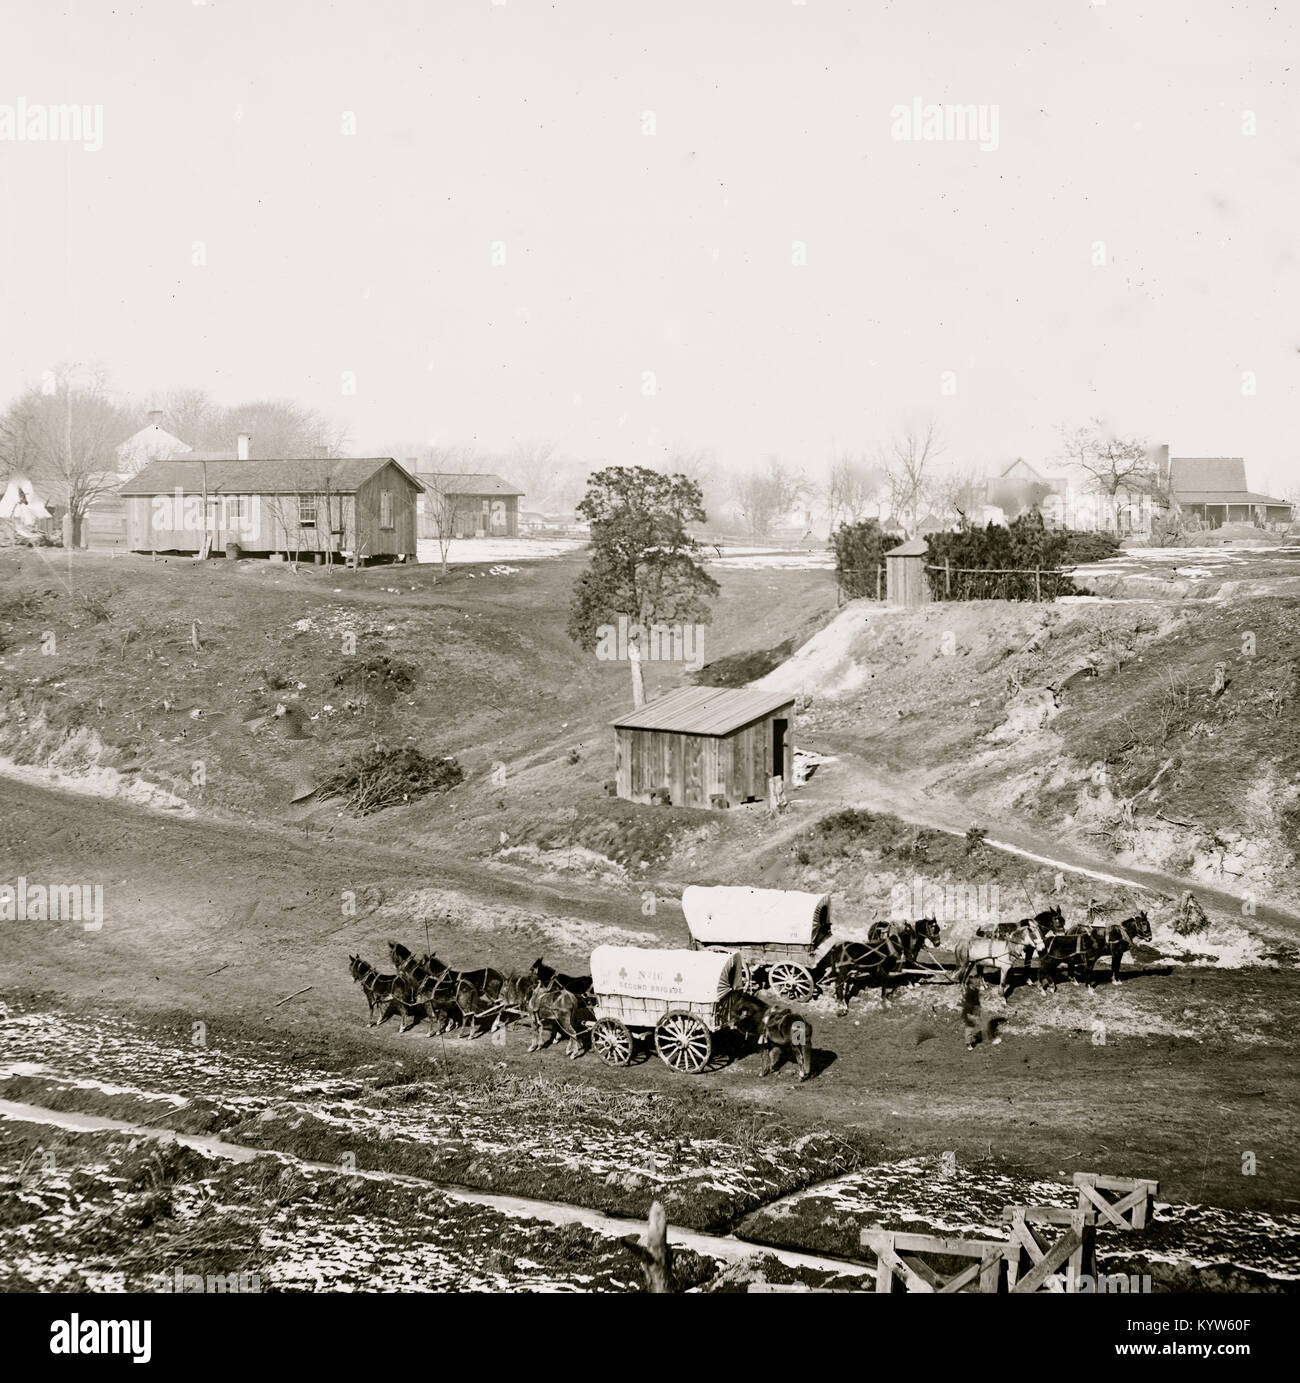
{"points": [[696, 768]]}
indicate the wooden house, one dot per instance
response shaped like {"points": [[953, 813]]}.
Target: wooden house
{"points": [[476, 505], [705, 746], [301, 507], [1214, 489]]}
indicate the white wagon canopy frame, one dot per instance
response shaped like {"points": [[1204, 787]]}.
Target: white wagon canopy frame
{"points": [[755, 916], [675, 977], [783, 932], [674, 992]]}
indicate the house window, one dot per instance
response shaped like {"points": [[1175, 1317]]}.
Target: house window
{"points": [[385, 509], [306, 511]]}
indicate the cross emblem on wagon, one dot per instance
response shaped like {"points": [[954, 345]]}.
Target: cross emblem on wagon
{"points": [[677, 978], [622, 974]]}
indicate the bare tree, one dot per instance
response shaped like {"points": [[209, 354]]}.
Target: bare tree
{"points": [[280, 428], [765, 496], [444, 511], [908, 463], [64, 435], [1113, 464], [853, 486], [954, 495]]}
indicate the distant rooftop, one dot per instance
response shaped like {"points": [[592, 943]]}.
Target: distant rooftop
{"points": [[467, 483], [308, 474]]}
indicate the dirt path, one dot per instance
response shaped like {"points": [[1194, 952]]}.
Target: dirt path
{"points": [[726, 1247], [922, 802]]}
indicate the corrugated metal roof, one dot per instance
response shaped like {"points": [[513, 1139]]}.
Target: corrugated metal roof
{"points": [[305, 475], [704, 710], [467, 483]]}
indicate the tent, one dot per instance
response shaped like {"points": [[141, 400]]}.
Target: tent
{"points": [[755, 916], [677, 976], [21, 503]]}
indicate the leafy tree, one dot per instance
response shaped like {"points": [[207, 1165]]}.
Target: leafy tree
{"points": [[999, 562], [644, 561], [859, 557]]}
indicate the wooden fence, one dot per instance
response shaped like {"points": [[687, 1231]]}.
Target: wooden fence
{"points": [[1042, 1241]]}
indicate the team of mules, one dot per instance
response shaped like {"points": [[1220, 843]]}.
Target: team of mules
{"points": [[425, 988], [1074, 949]]}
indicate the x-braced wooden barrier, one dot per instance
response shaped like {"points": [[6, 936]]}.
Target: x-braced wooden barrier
{"points": [[900, 1259], [1131, 1210], [1041, 1255]]}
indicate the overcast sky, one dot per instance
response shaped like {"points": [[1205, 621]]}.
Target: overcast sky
{"points": [[519, 127]]}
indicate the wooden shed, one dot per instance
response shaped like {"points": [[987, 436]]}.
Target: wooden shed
{"points": [[705, 746], [474, 505], [906, 581], [341, 505]]}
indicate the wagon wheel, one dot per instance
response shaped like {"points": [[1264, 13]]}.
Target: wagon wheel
{"points": [[791, 981], [612, 1041], [683, 1042], [748, 984]]}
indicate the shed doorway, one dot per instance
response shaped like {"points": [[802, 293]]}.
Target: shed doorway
{"points": [[779, 730]]}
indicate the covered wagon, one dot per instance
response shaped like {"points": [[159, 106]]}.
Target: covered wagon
{"points": [[781, 932], [674, 994]]}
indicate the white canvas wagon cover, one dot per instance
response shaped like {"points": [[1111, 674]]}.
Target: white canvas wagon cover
{"points": [[678, 976], [754, 916]]}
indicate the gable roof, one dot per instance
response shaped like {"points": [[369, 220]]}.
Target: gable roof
{"points": [[1207, 473], [704, 710], [152, 435], [340, 475], [1213, 480], [466, 483]]}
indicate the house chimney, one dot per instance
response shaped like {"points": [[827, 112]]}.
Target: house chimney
{"points": [[155, 417], [245, 441]]}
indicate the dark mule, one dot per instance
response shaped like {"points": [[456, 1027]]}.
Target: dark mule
{"points": [[911, 936], [575, 984], [779, 1031], [552, 1008], [384, 993], [1118, 937], [1077, 951], [855, 963]]}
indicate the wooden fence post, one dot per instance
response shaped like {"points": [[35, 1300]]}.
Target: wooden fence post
{"points": [[947, 578], [653, 1253], [1038, 585], [878, 572]]}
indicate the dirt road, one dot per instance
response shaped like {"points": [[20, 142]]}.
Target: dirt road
{"points": [[1174, 1073]]}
